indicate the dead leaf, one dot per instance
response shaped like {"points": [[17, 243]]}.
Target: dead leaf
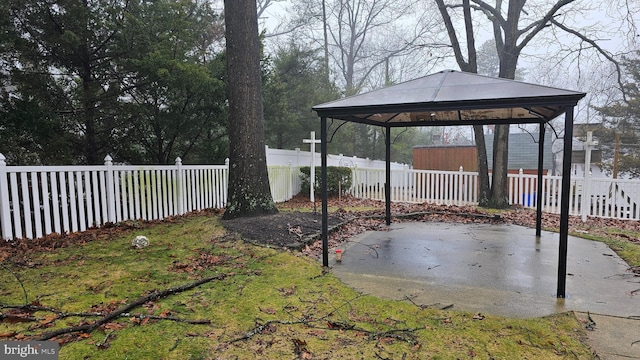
{"points": [[114, 326], [300, 348], [269, 310], [316, 332], [339, 325], [49, 319], [288, 291]]}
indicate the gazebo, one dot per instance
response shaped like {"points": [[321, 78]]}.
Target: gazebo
{"points": [[454, 98]]}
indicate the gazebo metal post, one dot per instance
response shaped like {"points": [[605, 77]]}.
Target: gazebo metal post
{"points": [[387, 185], [323, 184], [539, 194], [564, 202]]}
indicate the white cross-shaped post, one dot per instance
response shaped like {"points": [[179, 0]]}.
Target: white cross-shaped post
{"points": [[312, 176]]}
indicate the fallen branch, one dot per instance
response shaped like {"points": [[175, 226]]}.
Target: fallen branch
{"points": [[260, 328], [432, 306], [128, 307], [26, 297], [369, 246], [63, 315], [398, 334], [170, 318], [60, 314]]}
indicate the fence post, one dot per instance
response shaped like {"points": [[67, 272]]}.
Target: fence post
{"points": [[5, 206], [225, 188], [111, 191], [181, 195], [461, 188], [586, 185], [290, 181], [520, 192]]}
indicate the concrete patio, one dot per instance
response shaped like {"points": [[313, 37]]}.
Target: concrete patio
{"points": [[498, 269]]}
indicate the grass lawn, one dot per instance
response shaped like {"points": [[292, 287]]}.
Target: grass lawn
{"points": [[265, 304]]}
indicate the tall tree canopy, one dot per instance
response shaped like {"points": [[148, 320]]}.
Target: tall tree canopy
{"points": [[138, 80], [515, 24], [364, 41], [295, 81]]}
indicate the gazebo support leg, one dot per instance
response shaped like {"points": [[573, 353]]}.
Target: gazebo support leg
{"points": [[387, 185], [323, 183], [564, 203], [539, 194]]}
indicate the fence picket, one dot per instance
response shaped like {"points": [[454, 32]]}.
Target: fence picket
{"points": [[46, 204], [37, 221]]}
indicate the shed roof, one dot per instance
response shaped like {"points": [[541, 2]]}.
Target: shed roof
{"points": [[450, 98]]}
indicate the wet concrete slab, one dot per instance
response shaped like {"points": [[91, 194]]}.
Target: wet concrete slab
{"points": [[502, 270], [612, 337], [495, 269]]}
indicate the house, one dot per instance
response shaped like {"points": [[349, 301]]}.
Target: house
{"points": [[523, 154]]}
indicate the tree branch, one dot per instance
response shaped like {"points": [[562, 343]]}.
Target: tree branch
{"points": [[451, 31], [128, 307], [494, 11], [471, 45], [537, 26], [599, 49]]}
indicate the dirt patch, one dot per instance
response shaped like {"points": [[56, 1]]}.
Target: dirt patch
{"points": [[284, 229]]}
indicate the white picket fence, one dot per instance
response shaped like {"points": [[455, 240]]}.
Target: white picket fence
{"points": [[40, 200], [609, 198]]}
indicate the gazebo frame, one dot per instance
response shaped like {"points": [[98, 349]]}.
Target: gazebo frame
{"points": [[453, 98]]}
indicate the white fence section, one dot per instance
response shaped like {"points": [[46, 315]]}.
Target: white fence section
{"points": [[297, 157], [285, 182], [417, 186], [40, 200], [610, 198]]}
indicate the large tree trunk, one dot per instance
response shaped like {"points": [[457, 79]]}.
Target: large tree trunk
{"points": [[499, 196], [249, 193], [508, 52], [483, 166]]}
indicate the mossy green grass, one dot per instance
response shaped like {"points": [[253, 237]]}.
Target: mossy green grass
{"points": [[272, 304]]}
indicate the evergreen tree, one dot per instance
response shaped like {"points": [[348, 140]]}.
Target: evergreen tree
{"points": [[623, 118], [294, 83], [139, 80]]}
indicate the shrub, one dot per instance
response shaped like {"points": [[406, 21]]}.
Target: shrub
{"points": [[338, 179]]}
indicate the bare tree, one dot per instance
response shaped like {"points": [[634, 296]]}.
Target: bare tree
{"points": [[515, 24], [364, 36]]}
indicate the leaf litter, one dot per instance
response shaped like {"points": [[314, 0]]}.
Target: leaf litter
{"points": [[304, 308]]}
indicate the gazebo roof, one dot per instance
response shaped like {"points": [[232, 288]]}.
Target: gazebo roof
{"points": [[449, 98]]}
